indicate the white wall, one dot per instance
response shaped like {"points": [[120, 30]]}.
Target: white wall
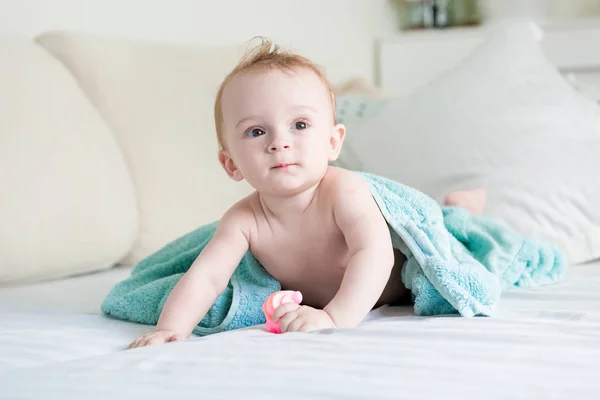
{"points": [[338, 34], [541, 10]]}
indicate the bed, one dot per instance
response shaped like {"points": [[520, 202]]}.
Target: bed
{"points": [[542, 343]]}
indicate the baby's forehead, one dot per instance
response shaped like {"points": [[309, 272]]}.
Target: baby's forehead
{"points": [[274, 79]]}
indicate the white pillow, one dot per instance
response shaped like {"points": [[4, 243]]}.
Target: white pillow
{"points": [[354, 110], [506, 120], [67, 203], [158, 100]]}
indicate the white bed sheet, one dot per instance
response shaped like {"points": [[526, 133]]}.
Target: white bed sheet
{"points": [[542, 344], [81, 294]]}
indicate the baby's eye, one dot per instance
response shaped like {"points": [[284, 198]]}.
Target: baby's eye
{"points": [[255, 132], [300, 125]]}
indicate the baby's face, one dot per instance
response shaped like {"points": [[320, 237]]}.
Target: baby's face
{"points": [[278, 130]]}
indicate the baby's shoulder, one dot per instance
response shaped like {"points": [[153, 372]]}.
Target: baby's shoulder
{"points": [[241, 214], [339, 182]]}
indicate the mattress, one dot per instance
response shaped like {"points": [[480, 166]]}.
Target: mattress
{"points": [[541, 344]]}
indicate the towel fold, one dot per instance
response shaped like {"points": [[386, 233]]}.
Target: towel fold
{"points": [[456, 262]]}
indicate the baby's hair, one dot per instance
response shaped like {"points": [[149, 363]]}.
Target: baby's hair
{"points": [[263, 57]]}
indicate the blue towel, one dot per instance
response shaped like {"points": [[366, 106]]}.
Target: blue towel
{"points": [[456, 262]]}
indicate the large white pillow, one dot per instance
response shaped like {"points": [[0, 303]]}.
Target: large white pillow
{"points": [[67, 203], [158, 100], [506, 120]]}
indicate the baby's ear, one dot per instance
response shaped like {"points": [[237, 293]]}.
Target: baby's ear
{"points": [[336, 140], [229, 166]]}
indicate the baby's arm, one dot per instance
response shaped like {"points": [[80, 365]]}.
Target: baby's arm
{"points": [[206, 279], [370, 245]]}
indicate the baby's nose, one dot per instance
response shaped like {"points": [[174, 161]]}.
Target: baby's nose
{"points": [[279, 147], [279, 143]]}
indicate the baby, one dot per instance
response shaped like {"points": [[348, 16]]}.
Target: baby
{"points": [[313, 227]]}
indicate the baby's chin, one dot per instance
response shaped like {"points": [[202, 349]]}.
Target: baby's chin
{"points": [[286, 186]]}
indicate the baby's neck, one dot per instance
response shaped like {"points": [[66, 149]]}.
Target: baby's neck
{"points": [[288, 209]]}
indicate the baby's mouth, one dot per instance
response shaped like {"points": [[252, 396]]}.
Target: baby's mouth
{"points": [[283, 165]]}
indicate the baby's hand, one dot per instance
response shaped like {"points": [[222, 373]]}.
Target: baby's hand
{"points": [[156, 337], [295, 318]]}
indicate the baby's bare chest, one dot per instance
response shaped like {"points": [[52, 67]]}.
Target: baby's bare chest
{"points": [[311, 258]]}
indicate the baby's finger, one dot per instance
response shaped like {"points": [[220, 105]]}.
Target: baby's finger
{"points": [[136, 342], [145, 341], [296, 325], [308, 327], [155, 340], [287, 320], [284, 309]]}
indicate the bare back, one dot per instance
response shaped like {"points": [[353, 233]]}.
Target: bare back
{"points": [[308, 252]]}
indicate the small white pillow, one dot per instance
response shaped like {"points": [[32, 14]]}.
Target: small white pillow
{"points": [[352, 111], [67, 203], [158, 99], [506, 120]]}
